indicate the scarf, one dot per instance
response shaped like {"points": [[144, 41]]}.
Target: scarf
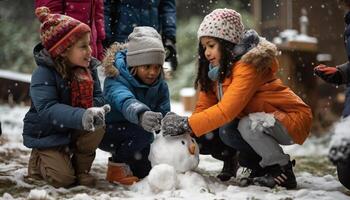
{"points": [[82, 88]]}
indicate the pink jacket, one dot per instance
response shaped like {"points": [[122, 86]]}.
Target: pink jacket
{"points": [[89, 12]]}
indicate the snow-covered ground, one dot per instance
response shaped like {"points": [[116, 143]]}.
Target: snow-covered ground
{"points": [[315, 175]]}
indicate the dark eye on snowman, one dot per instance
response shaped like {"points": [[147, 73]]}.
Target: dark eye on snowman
{"points": [[183, 142]]}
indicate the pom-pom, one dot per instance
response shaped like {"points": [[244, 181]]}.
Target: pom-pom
{"points": [[42, 13]]}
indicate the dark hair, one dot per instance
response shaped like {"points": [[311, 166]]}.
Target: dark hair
{"points": [[226, 62]]}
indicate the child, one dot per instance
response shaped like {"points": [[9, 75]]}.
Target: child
{"points": [[237, 78], [139, 97], [340, 75], [62, 127]]}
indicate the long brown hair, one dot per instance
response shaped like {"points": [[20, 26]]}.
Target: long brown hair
{"points": [[227, 60], [62, 67]]}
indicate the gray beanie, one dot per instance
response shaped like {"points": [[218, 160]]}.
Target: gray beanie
{"points": [[224, 24], [145, 47]]}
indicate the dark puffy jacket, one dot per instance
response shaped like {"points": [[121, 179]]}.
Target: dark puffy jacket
{"points": [[50, 119], [345, 68], [121, 16], [89, 12]]}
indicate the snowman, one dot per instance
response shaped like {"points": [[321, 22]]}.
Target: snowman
{"points": [[173, 160]]}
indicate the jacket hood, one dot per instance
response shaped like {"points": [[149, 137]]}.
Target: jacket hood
{"points": [[262, 56], [43, 58], [108, 62]]}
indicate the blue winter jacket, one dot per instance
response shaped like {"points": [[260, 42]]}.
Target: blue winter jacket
{"points": [[51, 119], [121, 16], [129, 98]]}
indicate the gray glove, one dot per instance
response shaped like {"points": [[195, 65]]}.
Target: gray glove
{"points": [[94, 117], [150, 121], [340, 152], [173, 125]]}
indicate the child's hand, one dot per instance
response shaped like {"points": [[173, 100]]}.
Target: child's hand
{"points": [[173, 125], [150, 121], [94, 117], [328, 74]]}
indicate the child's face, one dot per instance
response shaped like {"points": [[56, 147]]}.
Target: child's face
{"points": [[211, 50], [80, 53], [148, 73]]}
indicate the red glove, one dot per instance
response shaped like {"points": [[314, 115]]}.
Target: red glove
{"points": [[325, 69], [328, 74]]}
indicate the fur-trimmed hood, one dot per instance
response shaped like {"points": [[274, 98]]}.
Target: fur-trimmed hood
{"points": [[109, 60], [262, 56]]}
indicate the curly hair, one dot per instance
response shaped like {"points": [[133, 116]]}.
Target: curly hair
{"points": [[227, 60], [62, 67]]}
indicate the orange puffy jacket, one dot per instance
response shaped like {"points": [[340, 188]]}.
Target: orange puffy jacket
{"points": [[249, 90]]}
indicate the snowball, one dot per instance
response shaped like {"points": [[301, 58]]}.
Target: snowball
{"points": [[341, 132], [263, 119], [162, 177], [192, 181], [38, 194]]}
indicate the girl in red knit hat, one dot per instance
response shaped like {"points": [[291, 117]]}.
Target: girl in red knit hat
{"points": [[65, 122]]}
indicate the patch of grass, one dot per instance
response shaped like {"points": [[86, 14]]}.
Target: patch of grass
{"points": [[315, 165]]}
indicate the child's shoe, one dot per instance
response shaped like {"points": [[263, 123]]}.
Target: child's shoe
{"points": [[120, 173], [246, 181], [278, 175], [229, 169]]}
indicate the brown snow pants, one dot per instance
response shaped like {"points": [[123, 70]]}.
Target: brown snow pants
{"points": [[60, 166]]}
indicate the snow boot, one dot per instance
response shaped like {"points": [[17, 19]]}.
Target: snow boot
{"points": [[257, 172], [120, 173], [229, 169], [278, 175]]}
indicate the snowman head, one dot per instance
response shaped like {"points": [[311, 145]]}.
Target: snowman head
{"points": [[181, 152]]}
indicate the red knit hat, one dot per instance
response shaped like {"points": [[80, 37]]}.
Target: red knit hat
{"points": [[57, 32]]}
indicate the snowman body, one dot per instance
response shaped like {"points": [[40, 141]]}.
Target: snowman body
{"points": [[173, 160]]}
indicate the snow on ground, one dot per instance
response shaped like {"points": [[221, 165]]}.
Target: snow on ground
{"points": [[315, 175]]}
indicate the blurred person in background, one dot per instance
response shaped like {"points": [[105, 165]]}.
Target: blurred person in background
{"points": [[89, 12], [121, 16], [340, 74]]}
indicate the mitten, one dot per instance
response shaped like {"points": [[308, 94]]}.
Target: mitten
{"points": [[328, 74], [340, 152], [171, 55], [94, 117], [173, 125], [150, 121]]}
